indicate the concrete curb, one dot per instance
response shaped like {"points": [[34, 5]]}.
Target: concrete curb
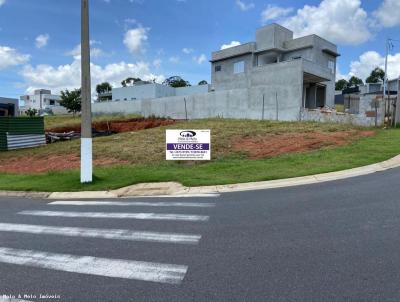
{"points": [[24, 194], [172, 189]]}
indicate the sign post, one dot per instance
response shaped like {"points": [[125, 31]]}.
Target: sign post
{"points": [[86, 117]]}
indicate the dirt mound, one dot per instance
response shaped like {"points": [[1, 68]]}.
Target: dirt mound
{"points": [[278, 144], [119, 126], [37, 165]]}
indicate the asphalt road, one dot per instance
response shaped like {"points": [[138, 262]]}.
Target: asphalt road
{"points": [[336, 241]]}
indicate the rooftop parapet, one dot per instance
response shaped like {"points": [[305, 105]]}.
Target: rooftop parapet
{"points": [[233, 52]]}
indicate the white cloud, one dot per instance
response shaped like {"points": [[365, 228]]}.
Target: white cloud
{"points": [[11, 57], [157, 63], [336, 20], [232, 44], [243, 6], [370, 60], [187, 50], [42, 40], [174, 59], [274, 12], [200, 59], [388, 14], [129, 23], [135, 38], [68, 76], [2, 2]]}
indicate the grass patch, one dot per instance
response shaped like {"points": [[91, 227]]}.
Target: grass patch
{"points": [[144, 153], [339, 108]]}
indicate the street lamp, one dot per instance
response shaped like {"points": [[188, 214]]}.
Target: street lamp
{"points": [[389, 47], [86, 116]]}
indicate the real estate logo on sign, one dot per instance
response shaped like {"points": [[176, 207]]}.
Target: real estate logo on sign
{"points": [[188, 145]]}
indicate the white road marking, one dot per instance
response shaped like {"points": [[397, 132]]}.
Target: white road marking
{"points": [[114, 268], [201, 195], [126, 204], [116, 234], [141, 216]]}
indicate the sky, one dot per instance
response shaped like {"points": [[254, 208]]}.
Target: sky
{"points": [[155, 39]]}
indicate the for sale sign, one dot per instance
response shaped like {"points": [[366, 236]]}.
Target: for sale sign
{"points": [[188, 145]]}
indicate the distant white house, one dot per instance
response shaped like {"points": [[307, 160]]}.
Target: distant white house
{"points": [[148, 90], [43, 101]]}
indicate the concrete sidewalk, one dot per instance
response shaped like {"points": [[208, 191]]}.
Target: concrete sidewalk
{"points": [[171, 189]]}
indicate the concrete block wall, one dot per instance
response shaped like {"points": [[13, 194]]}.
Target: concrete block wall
{"points": [[366, 105], [242, 104], [189, 90], [234, 103]]}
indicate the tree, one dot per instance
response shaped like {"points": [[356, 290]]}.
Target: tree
{"points": [[377, 75], [354, 81], [204, 82], [130, 81], [176, 82], [31, 112], [341, 84], [103, 88], [71, 100]]}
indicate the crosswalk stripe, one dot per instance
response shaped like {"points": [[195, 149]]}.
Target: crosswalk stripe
{"points": [[115, 268], [116, 234], [126, 204], [141, 216]]}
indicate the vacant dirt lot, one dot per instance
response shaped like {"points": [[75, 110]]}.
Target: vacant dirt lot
{"points": [[142, 142], [118, 126], [277, 144]]}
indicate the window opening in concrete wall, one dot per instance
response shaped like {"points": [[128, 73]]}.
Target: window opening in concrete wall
{"points": [[238, 67], [331, 66], [266, 59]]}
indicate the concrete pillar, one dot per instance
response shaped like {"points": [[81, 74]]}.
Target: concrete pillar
{"points": [[86, 127]]}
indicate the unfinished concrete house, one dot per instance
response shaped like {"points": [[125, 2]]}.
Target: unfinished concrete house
{"points": [[276, 77], [302, 71]]}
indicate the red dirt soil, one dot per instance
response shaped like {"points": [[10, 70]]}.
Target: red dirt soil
{"points": [[278, 144], [38, 165], [119, 126]]}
